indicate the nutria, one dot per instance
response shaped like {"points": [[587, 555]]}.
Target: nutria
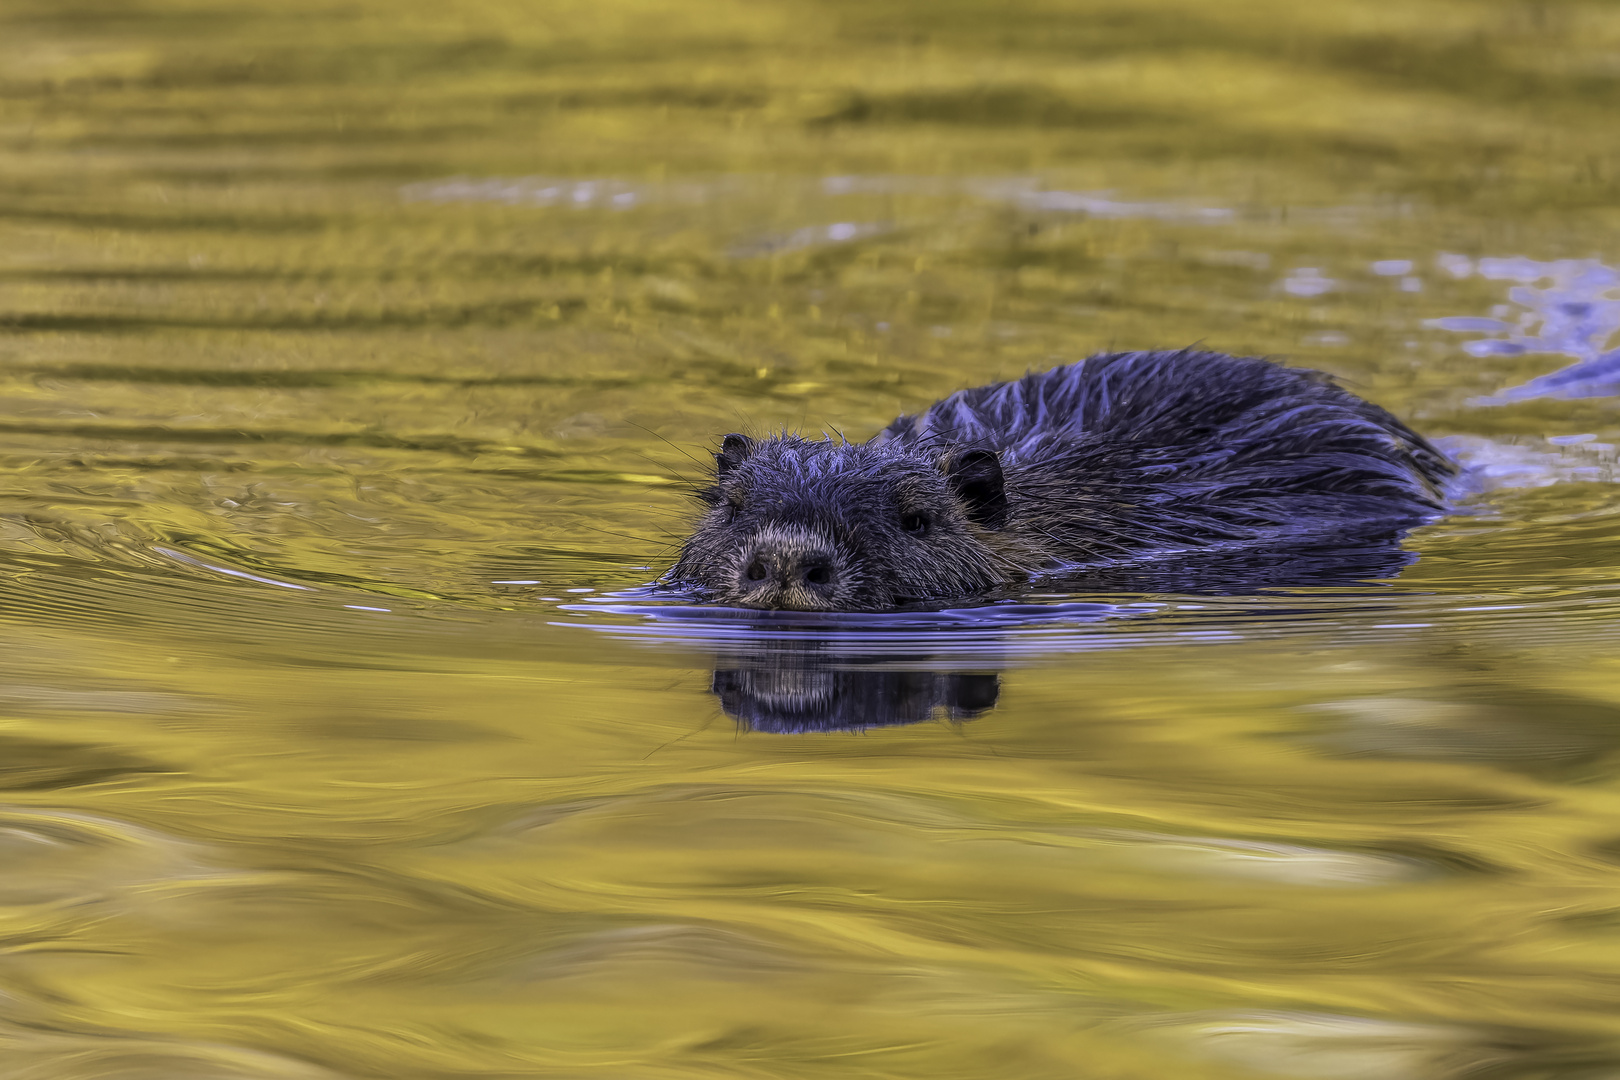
{"points": [[1112, 460]]}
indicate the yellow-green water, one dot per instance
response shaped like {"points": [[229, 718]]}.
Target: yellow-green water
{"points": [[346, 344]]}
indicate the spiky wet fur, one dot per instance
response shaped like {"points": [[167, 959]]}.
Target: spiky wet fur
{"points": [[1111, 459]]}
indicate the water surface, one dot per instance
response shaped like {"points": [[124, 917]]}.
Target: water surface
{"points": [[356, 359]]}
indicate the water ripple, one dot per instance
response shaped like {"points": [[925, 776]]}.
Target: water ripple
{"points": [[1576, 314]]}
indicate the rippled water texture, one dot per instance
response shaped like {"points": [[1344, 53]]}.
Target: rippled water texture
{"points": [[355, 358]]}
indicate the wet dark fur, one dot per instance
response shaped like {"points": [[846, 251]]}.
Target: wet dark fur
{"points": [[1100, 463]]}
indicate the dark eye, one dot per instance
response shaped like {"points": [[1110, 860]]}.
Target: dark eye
{"points": [[916, 524]]}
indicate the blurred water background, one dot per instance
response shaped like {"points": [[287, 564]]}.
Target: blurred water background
{"points": [[354, 355]]}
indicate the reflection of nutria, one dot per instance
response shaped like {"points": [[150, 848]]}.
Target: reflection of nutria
{"points": [[798, 686], [1114, 459]]}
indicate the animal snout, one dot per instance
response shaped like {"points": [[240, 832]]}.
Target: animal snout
{"points": [[796, 578]]}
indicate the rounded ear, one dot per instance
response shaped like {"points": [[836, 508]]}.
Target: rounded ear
{"points": [[975, 476], [734, 450]]}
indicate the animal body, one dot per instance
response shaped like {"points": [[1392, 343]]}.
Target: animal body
{"points": [[1116, 459]]}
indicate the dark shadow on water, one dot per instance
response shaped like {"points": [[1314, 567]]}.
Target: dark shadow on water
{"points": [[795, 686], [793, 671]]}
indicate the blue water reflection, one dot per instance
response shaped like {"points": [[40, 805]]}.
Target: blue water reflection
{"points": [[796, 671], [1576, 314]]}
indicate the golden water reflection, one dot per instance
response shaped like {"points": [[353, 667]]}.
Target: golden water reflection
{"points": [[355, 358]]}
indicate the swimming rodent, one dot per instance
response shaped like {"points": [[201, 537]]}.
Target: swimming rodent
{"points": [[1115, 459]]}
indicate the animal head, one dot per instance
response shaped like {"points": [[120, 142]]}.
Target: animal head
{"points": [[819, 525]]}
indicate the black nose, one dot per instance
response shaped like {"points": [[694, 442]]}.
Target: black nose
{"points": [[813, 571]]}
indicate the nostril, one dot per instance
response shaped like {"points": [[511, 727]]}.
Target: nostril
{"points": [[819, 575], [756, 571]]}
